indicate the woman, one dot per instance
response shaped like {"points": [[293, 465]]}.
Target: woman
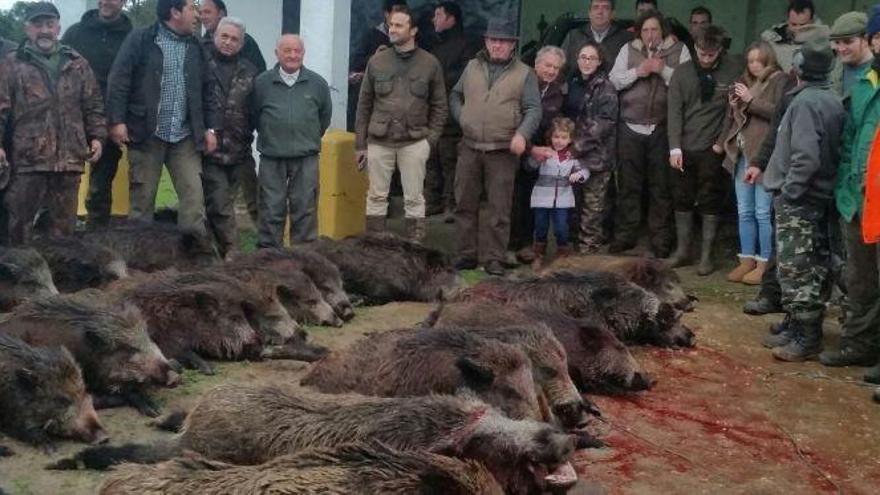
{"points": [[592, 103], [752, 102]]}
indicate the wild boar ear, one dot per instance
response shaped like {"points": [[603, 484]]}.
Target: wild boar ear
{"points": [[475, 375], [95, 340], [26, 378]]}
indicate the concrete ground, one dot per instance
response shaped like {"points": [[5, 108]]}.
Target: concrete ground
{"points": [[724, 417]]}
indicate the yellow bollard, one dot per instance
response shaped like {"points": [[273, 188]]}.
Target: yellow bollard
{"points": [[121, 205]]}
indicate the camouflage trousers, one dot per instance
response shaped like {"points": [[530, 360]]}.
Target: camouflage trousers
{"points": [[804, 256], [592, 212], [50, 195]]}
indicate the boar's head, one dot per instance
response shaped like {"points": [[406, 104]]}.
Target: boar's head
{"points": [[501, 375], [24, 274]]}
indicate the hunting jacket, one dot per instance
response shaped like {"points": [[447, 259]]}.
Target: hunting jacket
{"points": [[593, 106], [235, 98], [51, 125]]}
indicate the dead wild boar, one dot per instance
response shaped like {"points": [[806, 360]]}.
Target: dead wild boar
{"points": [[108, 339], [383, 268], [324, 274], [78, 264], [24, 274], [255, 424], [147, 246], [42, 395], [549, 367], [411, 362], [598, 361], [294, 289], [650, 274], [632, 313], [347, 469]]}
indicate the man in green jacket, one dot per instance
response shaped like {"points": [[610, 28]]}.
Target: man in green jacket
{"points": [[292, 111], [860, 337]]}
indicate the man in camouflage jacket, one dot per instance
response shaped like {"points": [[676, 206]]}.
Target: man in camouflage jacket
{"points": [[234, 91], [52, 106]]}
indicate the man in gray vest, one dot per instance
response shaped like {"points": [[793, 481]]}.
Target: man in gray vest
{"points": [[498, 105]]}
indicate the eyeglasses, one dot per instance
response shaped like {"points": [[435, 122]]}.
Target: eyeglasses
{"points": [[587, 58]]}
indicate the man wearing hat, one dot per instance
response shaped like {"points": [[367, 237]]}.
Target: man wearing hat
{"points": [[51, 105], [860, 336], [401, 113], [498, 105], [850, 42], [801, 174]]}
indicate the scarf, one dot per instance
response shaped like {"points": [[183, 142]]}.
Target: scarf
{"points": [[707, 80]]}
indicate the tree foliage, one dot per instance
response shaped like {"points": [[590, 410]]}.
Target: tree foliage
{"points": [[141, 12], [12, 22]]}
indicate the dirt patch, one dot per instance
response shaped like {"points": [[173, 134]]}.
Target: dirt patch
{"points": [[723, 418]]}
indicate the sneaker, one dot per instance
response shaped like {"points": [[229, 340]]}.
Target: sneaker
{"points": [[465, 264], [495, 267]]}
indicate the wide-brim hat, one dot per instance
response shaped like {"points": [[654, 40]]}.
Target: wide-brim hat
{"points": [[502, 29]]}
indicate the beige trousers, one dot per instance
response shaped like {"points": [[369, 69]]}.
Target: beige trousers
{"points": [[381, 162]]}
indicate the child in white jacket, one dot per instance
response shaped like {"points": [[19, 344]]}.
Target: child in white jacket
{"points": [[552, 195]]}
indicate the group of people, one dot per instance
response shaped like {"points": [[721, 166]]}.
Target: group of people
{"points": [[173, 98], [618, 123]]}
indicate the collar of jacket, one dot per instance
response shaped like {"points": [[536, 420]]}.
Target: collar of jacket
{"points": [[444, 36], [91, 20], [304, 75], [613, 29], [64, 50], [872, 77], [667, 43], [804, 85], [483, 55]]}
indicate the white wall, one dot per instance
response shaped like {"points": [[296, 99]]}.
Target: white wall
{"points": [[325, 29], [263, 21], [72, 10]]}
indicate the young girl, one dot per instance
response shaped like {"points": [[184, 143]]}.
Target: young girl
{"points": [[552, 195]]}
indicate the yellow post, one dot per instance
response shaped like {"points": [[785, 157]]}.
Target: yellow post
{"points": [[121, 205]]}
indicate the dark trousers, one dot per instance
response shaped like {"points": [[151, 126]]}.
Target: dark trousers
{"points": [[283, 182], [862, 327], [643, 162], [702, 185], [558, 217], [522, 223], [440, 175], [249, 187], [101, 175], [494, 173], [220, 183], [4, 221], [52, 194]]}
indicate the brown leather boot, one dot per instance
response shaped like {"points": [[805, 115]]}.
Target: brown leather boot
{"points": [[746, 265], [754, 277], [540, 249]]}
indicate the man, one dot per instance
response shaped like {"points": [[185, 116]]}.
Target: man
{"points": [[98, 37], [6, 46], [801, 174], [699, 19], [697, 105], [453, 50], [160, 105], [860, 337], [234, 91], [642, 73], [494, 87], [643, 6], [401, 113], [849, 41], [51, 108], [786, 38], [602, 28], [211, 12], [292, 110], [366, 48], [548, 64]]}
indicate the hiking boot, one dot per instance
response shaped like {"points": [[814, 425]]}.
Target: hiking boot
{"points": [[806, 344], [494, 267], [710, 230], [848, 355], [415, 229], [762, 306], [375, 224], [746, 265], [684, 223], [526, 255], [780, 334], [538, 252], [465, 263], [754, 277], [872, 375]]}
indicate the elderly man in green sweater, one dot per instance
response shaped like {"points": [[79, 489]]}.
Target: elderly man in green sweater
{"points": [[292, 111], [698, 94]]}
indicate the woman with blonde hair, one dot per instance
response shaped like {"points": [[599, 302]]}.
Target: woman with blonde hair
{"points": [[752, 102]]}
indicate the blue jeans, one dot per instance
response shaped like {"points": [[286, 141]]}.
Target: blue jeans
{"points": [[754, 206], [559, 217]]}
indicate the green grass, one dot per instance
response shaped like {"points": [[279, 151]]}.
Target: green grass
{"points": [[165, 195], [471, 277]]}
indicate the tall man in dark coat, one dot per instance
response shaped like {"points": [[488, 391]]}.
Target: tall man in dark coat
{"points": [[98, 37]]}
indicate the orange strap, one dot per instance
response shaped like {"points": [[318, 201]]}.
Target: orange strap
{"points": [[871, 211]]}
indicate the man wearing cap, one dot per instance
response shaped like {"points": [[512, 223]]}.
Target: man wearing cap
{"points": [[498, 106], [850, 42], [401, 113], [860, 336], [51, 104], [801, 175], [159, 104], [602, 29], [98, 37]]}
